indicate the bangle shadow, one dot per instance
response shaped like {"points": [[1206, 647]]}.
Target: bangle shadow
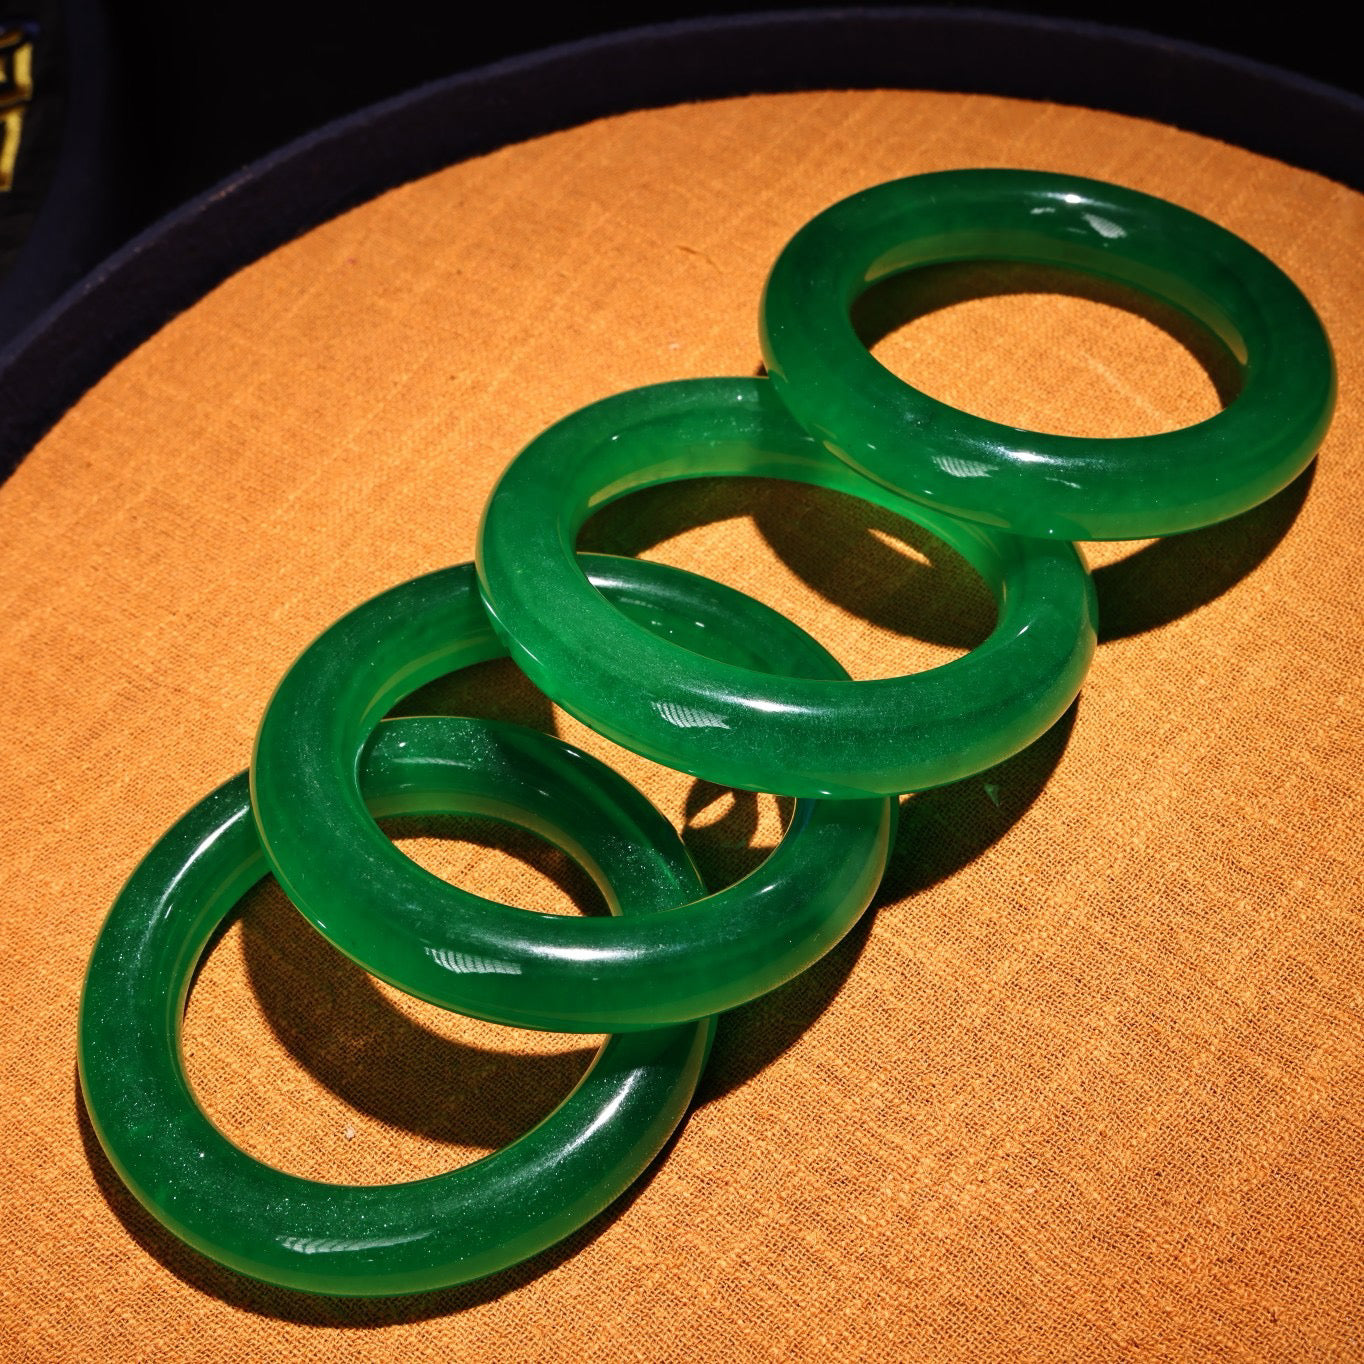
{"points": [[940, 832], [898, 300], [877, 566], [335, 1022], [1177, 575], [892, 573]]}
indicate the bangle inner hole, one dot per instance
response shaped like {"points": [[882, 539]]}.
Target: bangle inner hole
{"points": [[728, 833], [497, 861], [309, 1064], [1046, 349], [882, 594]]}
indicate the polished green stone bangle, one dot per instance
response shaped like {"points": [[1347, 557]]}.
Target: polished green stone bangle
{"points": [[570, 973], [1026, 481], [393, 1238], [801, 734]]}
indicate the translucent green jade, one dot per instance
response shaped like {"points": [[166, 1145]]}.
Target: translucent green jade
{"points": [[398, 1238], [801, 734], [1028, 482], [564, 972]]}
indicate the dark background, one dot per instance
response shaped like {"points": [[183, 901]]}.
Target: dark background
{"points": [[210, 87], [140, 105]]}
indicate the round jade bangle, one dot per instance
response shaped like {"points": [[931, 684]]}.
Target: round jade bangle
{"points": [[570, 973], [1029, 482], [393, 1238], [801, 734]]}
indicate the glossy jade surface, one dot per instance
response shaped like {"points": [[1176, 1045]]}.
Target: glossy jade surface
{"points": [[1033, 483], [509, 965], [803, 733], [397, 1238]]}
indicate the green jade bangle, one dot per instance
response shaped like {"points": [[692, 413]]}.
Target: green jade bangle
{"points": [[566, 972], [1028, 482], [396, 1238], [798, 734]]}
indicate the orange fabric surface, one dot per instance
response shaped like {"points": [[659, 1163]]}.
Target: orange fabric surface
{"points": [[1088, 1083]]}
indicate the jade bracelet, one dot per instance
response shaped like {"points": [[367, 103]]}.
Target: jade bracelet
{"points": [[508, 965], [799, 734], [394, 1238], [1030, 482]]}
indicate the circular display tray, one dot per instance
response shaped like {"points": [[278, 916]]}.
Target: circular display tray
{"points": [[1085, 1084]]}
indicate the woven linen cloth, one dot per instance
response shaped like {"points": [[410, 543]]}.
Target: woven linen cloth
{"points": [[1088, 1083]]}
